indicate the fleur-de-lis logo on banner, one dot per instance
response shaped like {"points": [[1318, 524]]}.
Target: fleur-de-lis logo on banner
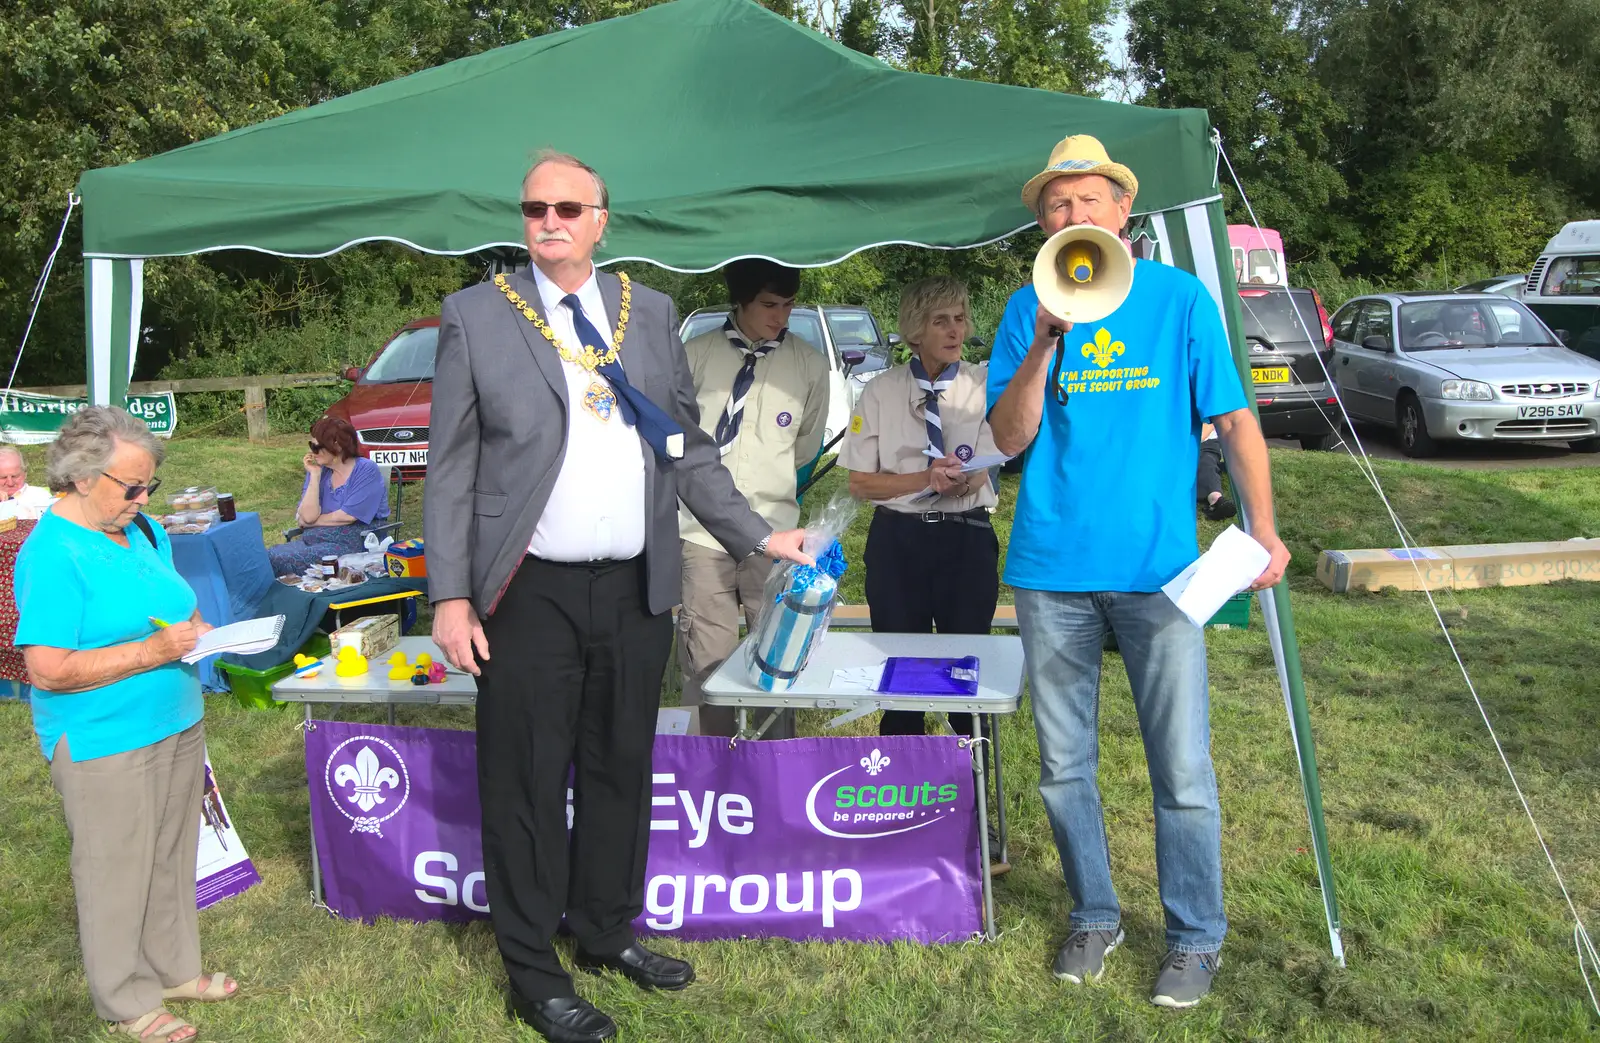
{"points": [[875, 763], [1104, 349], [367, 783]]}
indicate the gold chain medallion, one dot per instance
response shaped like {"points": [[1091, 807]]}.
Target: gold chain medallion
{"points": [[589, 359]]}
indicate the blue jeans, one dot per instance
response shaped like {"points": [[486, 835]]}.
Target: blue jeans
{"points": [[1062, 636]]}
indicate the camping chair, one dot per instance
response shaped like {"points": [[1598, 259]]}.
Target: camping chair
{"points": [[388, 528]]}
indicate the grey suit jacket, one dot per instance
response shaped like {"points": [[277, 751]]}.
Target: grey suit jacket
{"points": [[498, 435]]}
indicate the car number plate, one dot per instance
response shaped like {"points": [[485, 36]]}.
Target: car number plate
{"points": [[1270, 375], [400, 457], [1549, 412]]}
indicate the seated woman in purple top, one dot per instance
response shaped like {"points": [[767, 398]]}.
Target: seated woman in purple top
{"points": [[344, 496]]}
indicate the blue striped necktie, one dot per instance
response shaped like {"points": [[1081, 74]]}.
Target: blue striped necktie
{"points": [[652, 422], [932, 388]]}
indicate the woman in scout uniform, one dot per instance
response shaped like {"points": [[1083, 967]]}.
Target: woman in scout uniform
{"points": [[932, 558]]}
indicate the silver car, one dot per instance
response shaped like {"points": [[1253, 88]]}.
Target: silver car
{"points": [[1462, 366]]}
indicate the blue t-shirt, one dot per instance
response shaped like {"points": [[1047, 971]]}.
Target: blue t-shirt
{"points": [[78, 589], [1108, 485], [363, 496]]}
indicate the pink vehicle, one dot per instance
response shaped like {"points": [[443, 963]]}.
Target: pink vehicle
{"points": [[1257, 256]]}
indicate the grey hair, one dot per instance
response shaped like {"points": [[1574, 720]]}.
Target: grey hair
{"points": [[550, 155], [88, 441], [11, 450]]}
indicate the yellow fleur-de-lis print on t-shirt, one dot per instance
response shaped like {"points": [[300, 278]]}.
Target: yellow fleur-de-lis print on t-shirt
{"points": [[1104, 349]]}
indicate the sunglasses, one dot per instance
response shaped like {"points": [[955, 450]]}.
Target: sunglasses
{"points": [[567, 211], [131, 492], [316, 447]]}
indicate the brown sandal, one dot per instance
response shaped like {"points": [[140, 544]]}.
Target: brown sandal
{"points": [[140, 1026], [216, 989]]}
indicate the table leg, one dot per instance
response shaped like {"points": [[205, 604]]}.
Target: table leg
{"points": [[992, 729], [391, 715], [744, 722], [983, 826], [316, 866]]}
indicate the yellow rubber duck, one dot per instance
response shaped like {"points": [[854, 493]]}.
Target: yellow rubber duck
{"points": [[398, 670], [351, 663]]}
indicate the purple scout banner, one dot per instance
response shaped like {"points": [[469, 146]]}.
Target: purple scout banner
{"points": [[840, 839]]}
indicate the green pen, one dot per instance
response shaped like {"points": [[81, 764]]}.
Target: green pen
{"points": [[163, 624]]}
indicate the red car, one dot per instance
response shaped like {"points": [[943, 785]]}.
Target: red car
{"points": [[392, 398]]}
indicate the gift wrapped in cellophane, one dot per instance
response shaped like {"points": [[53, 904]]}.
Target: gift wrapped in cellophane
{"points": [[799, 602]]}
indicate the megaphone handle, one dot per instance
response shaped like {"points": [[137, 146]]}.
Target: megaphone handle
{"points": [[1057, 332], [1055, 375]]}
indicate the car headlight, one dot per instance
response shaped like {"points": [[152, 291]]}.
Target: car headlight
{"points": [[1467, 390]]}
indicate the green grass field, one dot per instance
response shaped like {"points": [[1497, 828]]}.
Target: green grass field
{"points": [[1453, 926]]}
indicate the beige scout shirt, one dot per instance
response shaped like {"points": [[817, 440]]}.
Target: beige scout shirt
{"points": [[888, 434], [781, 430]]}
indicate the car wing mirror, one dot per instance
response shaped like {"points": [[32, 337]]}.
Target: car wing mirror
{"points": [[1376, 342], [1564, 336], [894, 340], [352, 373], [852, 357]]}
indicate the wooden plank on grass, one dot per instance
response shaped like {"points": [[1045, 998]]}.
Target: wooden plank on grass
{"points": [[1460, 567]]}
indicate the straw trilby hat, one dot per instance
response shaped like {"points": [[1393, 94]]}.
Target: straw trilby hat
{"points": [[1078, 154]]}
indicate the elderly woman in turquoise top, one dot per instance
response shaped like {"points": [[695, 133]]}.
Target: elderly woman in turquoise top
{"points": [[105, 622]]}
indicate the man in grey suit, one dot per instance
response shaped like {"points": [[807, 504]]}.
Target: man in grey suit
{"points": [[564, 432]]}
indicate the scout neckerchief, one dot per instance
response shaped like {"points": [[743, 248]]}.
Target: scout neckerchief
{"points": [[931, 390], [728, 425], [660, 430]]}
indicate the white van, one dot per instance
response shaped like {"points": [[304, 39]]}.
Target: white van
{"points": [[1564, 287]]}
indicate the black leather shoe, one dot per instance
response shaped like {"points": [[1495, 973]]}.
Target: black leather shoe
{"points": [[566, 1019], [644, 968]]}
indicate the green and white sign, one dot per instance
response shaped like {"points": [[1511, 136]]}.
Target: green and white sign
{"points": [[28, 419]]}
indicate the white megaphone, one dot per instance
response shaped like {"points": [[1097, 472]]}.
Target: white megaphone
{"points": [[1083, 273]]}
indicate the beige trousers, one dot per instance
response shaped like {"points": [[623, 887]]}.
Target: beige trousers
{"points": [[714, 589], [134, 820]]}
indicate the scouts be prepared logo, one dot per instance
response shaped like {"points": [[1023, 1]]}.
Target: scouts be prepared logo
{"points": [[785, 419], [364, 776], [865, 800]]}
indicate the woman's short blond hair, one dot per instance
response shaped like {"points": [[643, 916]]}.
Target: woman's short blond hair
{"points": [[922, 298]]}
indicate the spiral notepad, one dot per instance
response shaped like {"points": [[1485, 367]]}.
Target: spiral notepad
{"points": [[246, 637]]}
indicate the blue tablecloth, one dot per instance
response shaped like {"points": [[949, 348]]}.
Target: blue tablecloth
{"points": [[228, 568], [304, 612]]}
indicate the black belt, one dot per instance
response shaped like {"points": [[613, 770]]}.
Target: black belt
{"points": [[978, 517]]}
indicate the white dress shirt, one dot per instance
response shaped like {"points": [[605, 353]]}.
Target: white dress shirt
{"points": [[29, 504], [597, 508]]}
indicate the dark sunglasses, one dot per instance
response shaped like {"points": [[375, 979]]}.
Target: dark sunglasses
{"points": [[131, 492], [316, 447], [567, 211]]}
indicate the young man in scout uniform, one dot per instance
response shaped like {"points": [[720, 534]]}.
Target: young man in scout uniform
{"points": [[763, 396]]}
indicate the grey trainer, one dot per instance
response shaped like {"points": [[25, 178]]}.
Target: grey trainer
{"points": [[1083, 958], [1185, 977]]}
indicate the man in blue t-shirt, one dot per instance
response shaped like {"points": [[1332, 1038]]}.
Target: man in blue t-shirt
{"points": [[1104, 519]]}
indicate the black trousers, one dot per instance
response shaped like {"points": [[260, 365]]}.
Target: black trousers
{"points": [[574, 679], [1208, 478], [923, 576]]}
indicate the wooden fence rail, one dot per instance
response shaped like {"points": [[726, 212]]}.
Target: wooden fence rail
{"points": [[254, 388]]}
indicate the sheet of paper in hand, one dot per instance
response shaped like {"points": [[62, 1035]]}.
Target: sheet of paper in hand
{"points": [[1232, 564]]}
